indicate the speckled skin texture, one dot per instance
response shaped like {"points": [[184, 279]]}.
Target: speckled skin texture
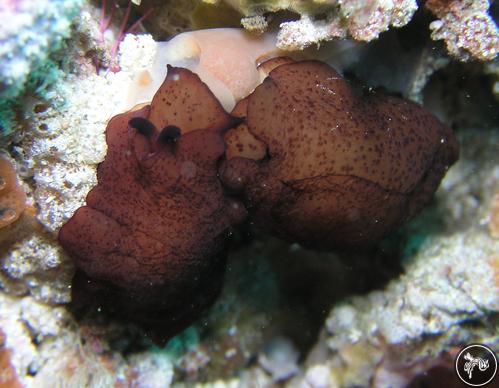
{"points": [[343, 168], [240, 142], [153, 232], [317, 162]]}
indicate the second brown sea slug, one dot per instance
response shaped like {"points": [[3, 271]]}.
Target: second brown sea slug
{"points": [[326, 165]]}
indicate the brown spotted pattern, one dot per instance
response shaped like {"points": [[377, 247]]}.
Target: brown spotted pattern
{"points": [[342, 168], [239, 141], [316, 161], [154, 228]]}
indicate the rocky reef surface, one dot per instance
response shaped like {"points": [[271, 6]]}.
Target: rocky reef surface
{"points": [[34, 32], [287, 315], [466, 27]]}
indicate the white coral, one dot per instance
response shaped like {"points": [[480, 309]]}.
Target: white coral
{"points": [[467, 29], [30, 31], [436, 293], [363, 20]]}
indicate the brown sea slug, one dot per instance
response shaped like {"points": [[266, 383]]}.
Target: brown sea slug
{"points": [[152, 236], [325, 165], [315, 161]]}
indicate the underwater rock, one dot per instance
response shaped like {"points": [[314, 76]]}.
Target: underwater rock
{"points": [[342, 168], [363, 20], [153, 233], [467, 28]]}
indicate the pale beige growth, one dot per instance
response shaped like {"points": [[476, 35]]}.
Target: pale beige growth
{"points": [[224, 58]]}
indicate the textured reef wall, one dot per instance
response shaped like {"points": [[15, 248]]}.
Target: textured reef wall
{"points": [[286, 315], [35, 32], [465, 26]]}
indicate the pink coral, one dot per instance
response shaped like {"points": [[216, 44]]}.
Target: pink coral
{"points": [[469, 32], [363, 20]]}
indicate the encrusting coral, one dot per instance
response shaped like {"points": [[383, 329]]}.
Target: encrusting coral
{"points": [[466, 27], [155, 224], [35, 30], [469, 32], [152, 235]]}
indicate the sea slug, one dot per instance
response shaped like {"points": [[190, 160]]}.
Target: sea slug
{"points": [[152, 236], [313, 159], [326, 165]]}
